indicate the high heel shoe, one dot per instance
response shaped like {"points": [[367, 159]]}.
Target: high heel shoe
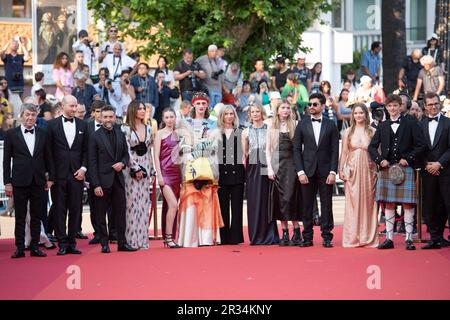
{"points": [[169, 243]]}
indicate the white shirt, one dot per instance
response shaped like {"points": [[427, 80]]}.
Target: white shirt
{"points": [[115, 97], [110, 46], [30, 138], [116, 65], [97, 125], [90, 58], [70, 130], [316, 128], [432, 127], [395, 126]]}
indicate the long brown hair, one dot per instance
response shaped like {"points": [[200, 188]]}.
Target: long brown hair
{"points": [[169, 109], [58, 63], [133, 108], [367, 127]]}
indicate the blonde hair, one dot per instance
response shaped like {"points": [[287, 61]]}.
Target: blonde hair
{"points": [[275, 125], [220, 118], [260, 107], [367, 127]]}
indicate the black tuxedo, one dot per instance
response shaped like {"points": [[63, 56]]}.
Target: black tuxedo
{"points": [[436, 189], [68, 190], [407, 144], [28, 178], [102, 156], [317, 161]]}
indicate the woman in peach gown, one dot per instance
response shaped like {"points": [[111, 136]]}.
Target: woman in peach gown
{"points": [[358, 172]]}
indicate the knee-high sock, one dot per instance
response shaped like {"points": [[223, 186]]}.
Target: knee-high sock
{"points": [[390, 220], [409, 223]]}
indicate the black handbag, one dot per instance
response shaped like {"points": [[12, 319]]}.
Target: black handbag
{"points": [[141, 169]]}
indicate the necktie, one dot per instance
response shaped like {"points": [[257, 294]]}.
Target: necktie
{"points": [[29, 131], [67, 119], [433, 119], [317, 120]]}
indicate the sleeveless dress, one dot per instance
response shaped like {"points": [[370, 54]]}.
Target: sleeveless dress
{"points": [[360, 217], [285, 189], [171, 174], [261, 229]]}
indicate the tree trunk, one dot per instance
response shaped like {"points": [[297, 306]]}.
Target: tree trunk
{"points": [[393, 33]]}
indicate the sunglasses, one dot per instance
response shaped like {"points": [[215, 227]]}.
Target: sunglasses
{"points": [[315, 104]]}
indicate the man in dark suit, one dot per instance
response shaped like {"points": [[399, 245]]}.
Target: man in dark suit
{"points": [[108, 155], [436, 171], [316, 153], [28, 149], [68, 140]]}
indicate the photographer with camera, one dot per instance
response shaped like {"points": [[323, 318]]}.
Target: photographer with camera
{"points": [[85, 93], [214, 75], [117, 62], [166, 90], [189, 75], [107, 47], [110, 92], [378, 113], [86, 45], [145, 85], [14, 62]]}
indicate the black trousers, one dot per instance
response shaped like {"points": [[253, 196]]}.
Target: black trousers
{"points": [[436, 203], [309, 196], [36, 196], [232, 232], [113, 197], [68, 198]]}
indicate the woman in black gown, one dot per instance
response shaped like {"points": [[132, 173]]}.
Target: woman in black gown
{"points": [[284, 184], [261, 229]]}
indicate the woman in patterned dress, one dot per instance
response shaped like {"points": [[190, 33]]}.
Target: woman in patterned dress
{"points": [[138, 175]]}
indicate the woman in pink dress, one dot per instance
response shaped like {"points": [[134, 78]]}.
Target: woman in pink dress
{"points": [[62, 75], [358, 172], [169, 174]]}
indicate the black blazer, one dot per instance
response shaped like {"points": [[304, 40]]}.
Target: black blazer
{"points": [[440, 150], [25, 167], [309, 156], [102, 158], [231, 168], [68, 160], [411, 143]]}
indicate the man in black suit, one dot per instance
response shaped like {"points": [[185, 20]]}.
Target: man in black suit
{"points": [[68, 140], [316, 153], [108, 155], [28, 149], [436, 170]]}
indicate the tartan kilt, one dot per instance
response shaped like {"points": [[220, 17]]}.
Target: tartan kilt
{"points": [[401, 193]]}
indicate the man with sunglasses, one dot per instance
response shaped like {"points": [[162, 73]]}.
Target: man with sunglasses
{"points": [[316, 153], [107, 47]]}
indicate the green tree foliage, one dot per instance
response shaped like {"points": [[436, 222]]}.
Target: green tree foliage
{"points": [[247, 28]]}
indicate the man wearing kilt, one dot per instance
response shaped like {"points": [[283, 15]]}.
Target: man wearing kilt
{"points": [[401, 142]]}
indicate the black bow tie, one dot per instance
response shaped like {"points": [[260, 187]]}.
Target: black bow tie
{"points": [[396, 121], [434, 119], [29, 131], [67, 119], [317, 120], [98, 125]]}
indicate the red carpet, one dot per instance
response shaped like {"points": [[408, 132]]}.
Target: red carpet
{"points": [[229, 272]]}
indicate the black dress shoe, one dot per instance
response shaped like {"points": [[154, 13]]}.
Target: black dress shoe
{"points": [[51, 247], [73, 250], [105, 249], [410, 245], [126, 247], [62, 251], [306, 243], [18, 254], [432, 245], [327, 244], [94, 241], [80, 235], [37, 253], [445, 243], [388, 244]]}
